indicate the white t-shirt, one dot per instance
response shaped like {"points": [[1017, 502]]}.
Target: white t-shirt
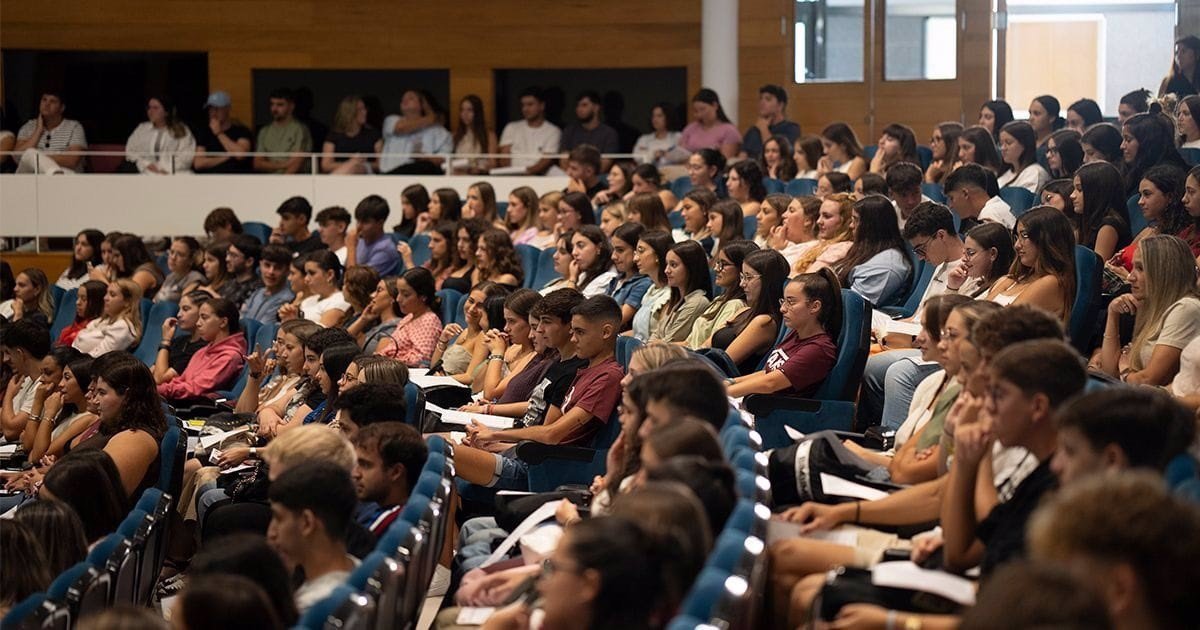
{"points": [[314, 307], [937, 284], [1032, 178], [341, 255], [997, 210], [523, 138], [317, 589], [648, 144]]}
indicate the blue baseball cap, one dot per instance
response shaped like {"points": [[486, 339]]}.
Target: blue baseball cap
{"points": [[218, 99]]}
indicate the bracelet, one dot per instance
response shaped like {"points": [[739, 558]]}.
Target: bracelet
{"points": [[164, 346], [495, 357], [35, 417], [253, 451]]}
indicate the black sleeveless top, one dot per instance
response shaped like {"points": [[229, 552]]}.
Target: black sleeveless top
{"points": [[724, 336], [462, 284], [149, 480]]}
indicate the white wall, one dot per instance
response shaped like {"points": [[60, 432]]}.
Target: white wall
{"points": [[61, 205]]}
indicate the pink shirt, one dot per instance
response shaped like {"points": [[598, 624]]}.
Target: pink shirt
{"points": [[696, 137], [413, 340], [211, 367]]}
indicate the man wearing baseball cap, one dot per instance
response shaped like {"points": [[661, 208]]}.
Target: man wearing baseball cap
{"points": [[772, 121], [223, 135]]}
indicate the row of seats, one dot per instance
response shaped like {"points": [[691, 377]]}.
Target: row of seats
{"points": [[388, 589]]}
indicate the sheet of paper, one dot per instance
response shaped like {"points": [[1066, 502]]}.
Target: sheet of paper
{"points": [[782, 530], [792, 433], [192, 443], [546, 511], [209, 441], [905, 574], [8, 449], [844, 488], [230, 471], [903, 327], [473, 616], [454, 416], [425, 381], [457, 436]]}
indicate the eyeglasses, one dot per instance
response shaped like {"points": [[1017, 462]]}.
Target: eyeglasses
{"points": [[789, 302], [969, 253], [920, 249], [720, 265], [550, 567], [747, 277]]}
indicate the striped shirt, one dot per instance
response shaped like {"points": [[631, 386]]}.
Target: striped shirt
{"points": [[68, 133]]}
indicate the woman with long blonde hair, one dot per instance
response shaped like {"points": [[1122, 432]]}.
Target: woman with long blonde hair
{"points": [[121, 324], [1166, 307], [833, 235]]}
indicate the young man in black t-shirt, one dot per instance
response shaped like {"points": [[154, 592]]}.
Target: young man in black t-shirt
{"points": [[222, 135]]}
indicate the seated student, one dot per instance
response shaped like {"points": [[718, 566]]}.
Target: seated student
{"points": [[1191, 203], [629, 286], [546, 220], [522, 220], [31, 298], [378, 317], [219, 362], [1057, 194], [332, 225], [744, 181], [389, 456], [416, 130], [649, 257], [414, 339], [221, 224], [987, 256], [897, 144], [25, 345], [843, 152], [726, 223], [28, 572], [686, 271], [832, 184], [770, 216], [574, 211], [366, 244], [930, 233], [120, 326], [175, 351], [1098, 209], [132, 422], [710, 130], [326, 370], [902, 185], [265, 302], [778, 161], [131, 260], [249, 556], [591, 399], [583, 166], [89, 304], [969, 193], [648, 181], [367, 403], [214, 270], [456, 352], [496, 259], [870, 184], [311, 504], [876, 266], [481, 204], [89, 483], [1166, 305], [728, 266], [510, 347], [591, 269], [1043, 273], [85, 256], [807, 153], [63, 415], [58, 529], [464, 272], [350, 134], [326, 304], [812, 309], [612, 215], [748, 335], [771, 122], [833, 235], [241, 262], [796, 230], [1139, 545], [1018, 149], [1160, 199], [944, 147], [358, 283], [1064, 153], [182, 260], [220, 601], [694, 208]]}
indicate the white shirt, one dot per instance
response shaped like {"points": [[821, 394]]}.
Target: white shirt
{"points": [[997, 210], [900, 214], [67, 284], [937, 284], [102, 335], [314, 307], [430, 140], [522, 138], [152, 145], [341, 255], [1194, 144], [317, 589], [648, 144], [1032, 178], [599, 286]]}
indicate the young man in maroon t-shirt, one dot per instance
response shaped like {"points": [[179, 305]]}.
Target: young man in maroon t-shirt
{"points": [[592, 398]]}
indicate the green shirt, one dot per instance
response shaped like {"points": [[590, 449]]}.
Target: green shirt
{"points": [[290, 137], [932, 432]]}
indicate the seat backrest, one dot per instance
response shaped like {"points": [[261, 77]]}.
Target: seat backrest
{"points": [[749, 226], [529, 263], [933, 191], [413, 406], [420, 249], [415, 547], [56, 295], [415, 509], [73, 586], [733, 437], [1137, 219], [147, 348], [625, 348], [853, 345], [26, 614], [427, 484], [544, 272], [799, 187], [705, 591], [1017, 198], [450, 299], [1089, 270], [681, 186], [773, 186], [1191, 156], [917, 291], [173, 453], [64, 314], [258, 230], [315, 617], [925, 155], [389, 543], [742, 518], [115, 556]]}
